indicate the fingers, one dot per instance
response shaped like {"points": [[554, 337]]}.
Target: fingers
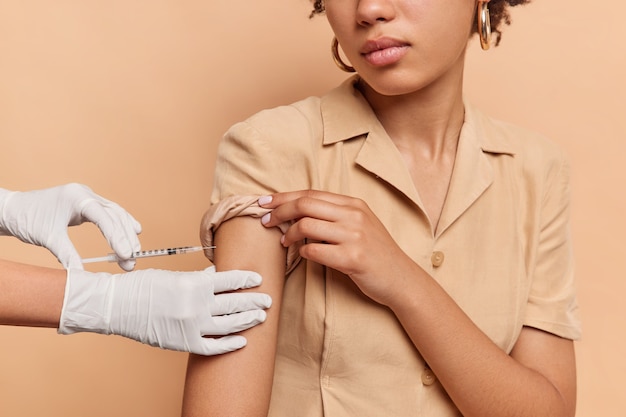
{"points": [[118, 227], [316, 216], [290, 206], [210, 347], [65, 252], [233, 280], [294, 206], [127, 264], [229, 303], [232, 323], [314, 230], [275, 200]]}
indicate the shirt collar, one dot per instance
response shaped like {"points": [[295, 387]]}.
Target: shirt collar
{"points": [[346, 115]]}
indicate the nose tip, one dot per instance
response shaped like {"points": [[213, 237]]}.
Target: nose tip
{"points": [[367, 23], [372, 12]]}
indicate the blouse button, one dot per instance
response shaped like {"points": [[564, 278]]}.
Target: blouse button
{"points": [[437, 258], [428, 377]]}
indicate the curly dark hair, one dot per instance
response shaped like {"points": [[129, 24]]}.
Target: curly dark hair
{"points": [[498, 14]]}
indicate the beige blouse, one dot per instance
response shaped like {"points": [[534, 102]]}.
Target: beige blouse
{"points": [[502, 249]]}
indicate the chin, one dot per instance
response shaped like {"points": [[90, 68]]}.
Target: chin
{"points": [[394, 84]]}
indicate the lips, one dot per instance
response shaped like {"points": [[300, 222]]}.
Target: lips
{"points": [[380, 44], [384, 51]]}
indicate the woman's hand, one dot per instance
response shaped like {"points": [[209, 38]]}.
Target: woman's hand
{"points": [[344, 234]]}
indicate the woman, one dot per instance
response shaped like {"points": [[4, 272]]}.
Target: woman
{"points": [[430, 273]]}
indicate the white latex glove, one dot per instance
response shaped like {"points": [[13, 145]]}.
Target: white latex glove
{"points": [[171, 310], [42, 217]]}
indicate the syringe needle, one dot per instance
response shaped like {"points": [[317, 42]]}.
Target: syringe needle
{"points": [[111, 257]]}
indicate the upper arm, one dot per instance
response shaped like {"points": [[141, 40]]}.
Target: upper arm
{"points": [[239, 383], [252, 159], [553, 358]]}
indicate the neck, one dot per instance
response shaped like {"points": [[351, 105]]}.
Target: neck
{"points": [[425, 122]]}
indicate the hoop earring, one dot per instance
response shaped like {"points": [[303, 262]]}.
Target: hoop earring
{"points": [[337, 58], [484, 25]]}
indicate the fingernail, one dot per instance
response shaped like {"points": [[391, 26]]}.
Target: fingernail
{"points": [[266, 218], [282, 240], [263, 200]]}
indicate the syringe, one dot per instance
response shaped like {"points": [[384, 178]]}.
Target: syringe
{"points": [[111, 257]]}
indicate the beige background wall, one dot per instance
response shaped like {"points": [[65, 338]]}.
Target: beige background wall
{"points": [[131, 97]]}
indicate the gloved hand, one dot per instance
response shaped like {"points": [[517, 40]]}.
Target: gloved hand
{"points": [[42, 217], [172, 310]]}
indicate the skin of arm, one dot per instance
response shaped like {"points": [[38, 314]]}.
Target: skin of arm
{"points": [[31, 295], [538, 378], [239, 383]]}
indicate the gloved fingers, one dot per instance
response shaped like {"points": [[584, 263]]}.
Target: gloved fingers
{"points": [[117, 225], [237, 302], [61, 246], [127, 264], [74, 261], [232, 323], [233, 279], [210, 346]]}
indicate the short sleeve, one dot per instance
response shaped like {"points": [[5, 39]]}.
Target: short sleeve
{"points": [[268, 153], [552, 303], [236, 206]]}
